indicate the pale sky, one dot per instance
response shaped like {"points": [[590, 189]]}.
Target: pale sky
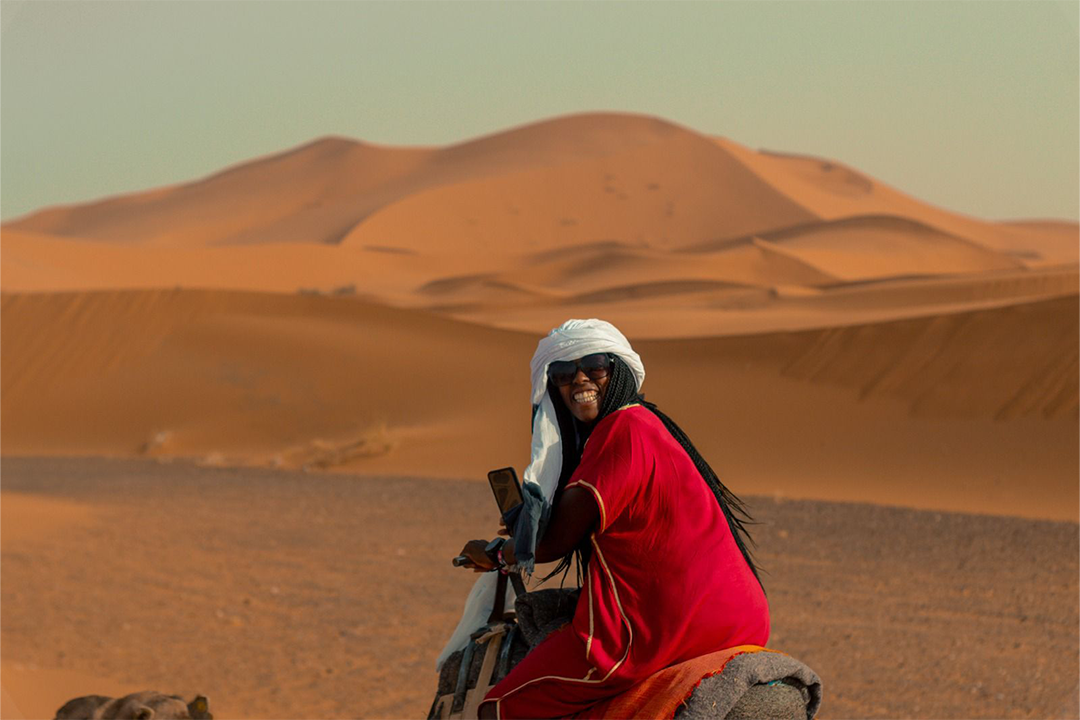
{"points": [[970, 105]]}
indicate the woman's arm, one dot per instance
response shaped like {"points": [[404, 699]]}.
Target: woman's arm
{"points": [[571, 520]]}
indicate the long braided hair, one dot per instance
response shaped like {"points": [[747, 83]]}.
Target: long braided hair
{"points": [[622, 390]]}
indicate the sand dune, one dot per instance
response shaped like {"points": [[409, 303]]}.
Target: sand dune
{"points": [[313, 189], [342, 383], [570, 212], [753, 287], [264, 373], [862, 248], [672, 193], [692, 310], [834, 273], [940, 358], [566, 180], [601, 266], [307, 190], [833, 191]]}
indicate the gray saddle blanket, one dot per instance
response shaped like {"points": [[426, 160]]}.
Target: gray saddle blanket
{"points": [[761, 685]]}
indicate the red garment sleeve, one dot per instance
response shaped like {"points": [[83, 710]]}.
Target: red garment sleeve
{"points": [[611, 465]]}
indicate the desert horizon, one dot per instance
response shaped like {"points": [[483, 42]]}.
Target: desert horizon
{"points": [[343, 319]]}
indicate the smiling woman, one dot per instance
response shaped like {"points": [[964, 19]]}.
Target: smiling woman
{"points": [[667, 574]]}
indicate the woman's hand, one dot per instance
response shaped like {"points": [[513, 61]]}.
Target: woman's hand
{"points": [[508, 555], [478, 559]]}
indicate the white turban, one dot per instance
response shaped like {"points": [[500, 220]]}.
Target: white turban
{"points": [[572, 340]]}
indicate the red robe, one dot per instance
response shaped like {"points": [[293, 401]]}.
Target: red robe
{"points": [[666, 581]]}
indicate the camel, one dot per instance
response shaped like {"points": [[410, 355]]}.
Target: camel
{"points": [[765, 686], [146, 705]]}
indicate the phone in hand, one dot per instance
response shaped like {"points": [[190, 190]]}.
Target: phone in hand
{"points": [[504, 483]]}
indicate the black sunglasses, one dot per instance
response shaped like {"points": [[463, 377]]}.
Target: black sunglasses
{"points": [[563, 372]]}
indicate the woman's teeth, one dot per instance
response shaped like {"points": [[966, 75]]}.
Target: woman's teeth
{"points": [[587, 396]]}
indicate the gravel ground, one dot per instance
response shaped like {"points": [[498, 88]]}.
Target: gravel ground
{"points": [[284, 594]]}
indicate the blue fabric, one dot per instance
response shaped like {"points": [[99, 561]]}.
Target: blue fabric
{"points": [[528, 520]]}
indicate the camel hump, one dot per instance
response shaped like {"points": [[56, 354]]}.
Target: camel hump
{"points": [[145, 705]]}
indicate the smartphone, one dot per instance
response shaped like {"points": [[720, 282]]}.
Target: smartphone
{"points": [[504, 483]]}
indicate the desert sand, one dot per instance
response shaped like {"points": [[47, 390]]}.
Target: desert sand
{"points": [[281, 594], [341, 328]]}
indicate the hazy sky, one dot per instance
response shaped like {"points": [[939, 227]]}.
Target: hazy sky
{"points": [[969, 105]]}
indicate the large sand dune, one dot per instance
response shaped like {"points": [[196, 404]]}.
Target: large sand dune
{"points": [[628, 216], [558, 182]]}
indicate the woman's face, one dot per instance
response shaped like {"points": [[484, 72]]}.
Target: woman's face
{"points": [[584, 395]]}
